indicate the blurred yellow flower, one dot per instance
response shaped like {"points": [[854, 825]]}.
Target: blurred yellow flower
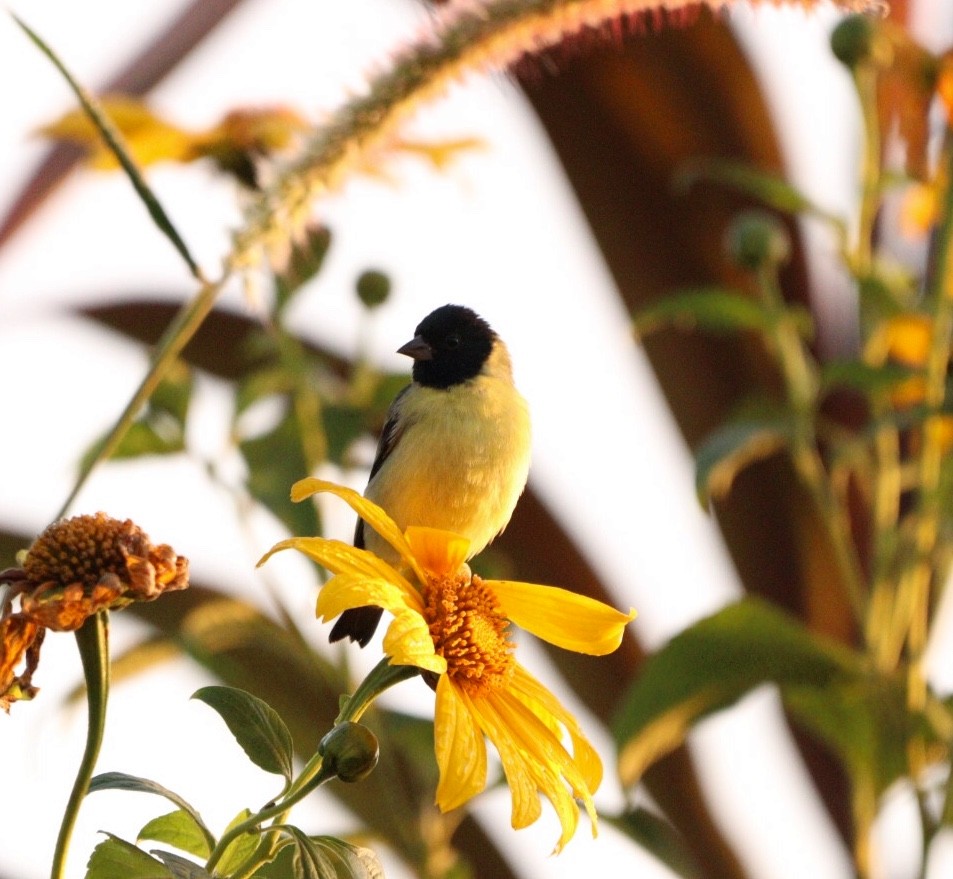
{"points": [[233, 144], [454, 625]]}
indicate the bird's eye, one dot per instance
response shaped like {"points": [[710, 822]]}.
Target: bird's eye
{"points": [[453, 341]]}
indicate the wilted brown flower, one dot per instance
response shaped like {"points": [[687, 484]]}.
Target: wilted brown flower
{"points": [[74, 569]]}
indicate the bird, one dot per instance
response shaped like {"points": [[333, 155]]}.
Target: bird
{"points": [[454, 452]]}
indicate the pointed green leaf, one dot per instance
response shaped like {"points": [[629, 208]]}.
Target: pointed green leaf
{"points": [[240, 849], [866, 722], [121, 781], [712, 664], [307, 258], [657, 836], [114, 858], [732, 447], [769, 189], [178, 829], [860, 376], [182, 868], [256, 726], [281, 866], [714, 309], [160, 429], [114, 140]]}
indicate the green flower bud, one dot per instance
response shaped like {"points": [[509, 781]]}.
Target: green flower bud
{"points": [[756, 239], [858, 39], [373, 288], [350, 750]]}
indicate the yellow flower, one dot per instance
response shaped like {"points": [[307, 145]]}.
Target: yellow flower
{"points": [[454, 625]]}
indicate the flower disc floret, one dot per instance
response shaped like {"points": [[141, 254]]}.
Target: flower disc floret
{"points": [[469, 631]]}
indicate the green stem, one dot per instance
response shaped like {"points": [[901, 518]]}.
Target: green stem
{"points": [[92, 638], [315, 773], [801, 383]]}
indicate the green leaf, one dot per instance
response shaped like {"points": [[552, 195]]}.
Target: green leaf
{"points": [[121, 781], [866, 722], [114, 140], [276, 460], [178, 829], [769, 189], [732, 447], [182, 868], [711, 665], [860, 376], [114, 858], [326, 857], [712, 308], [256, 726], [657, 836], [160, 429], [307, 258], [240, 849]]}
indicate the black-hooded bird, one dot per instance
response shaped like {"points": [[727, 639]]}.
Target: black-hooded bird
{"points": [[454, 452]]}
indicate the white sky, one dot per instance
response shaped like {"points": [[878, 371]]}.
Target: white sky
{"points": [[434, 234]]}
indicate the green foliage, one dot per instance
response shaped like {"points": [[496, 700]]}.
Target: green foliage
{"points": [[657, 836], [179, 829], [324, 857], [257, 727], [114, 858], [160, 429], [734, 446], [711, 665], [122, 781], [769, 189]]}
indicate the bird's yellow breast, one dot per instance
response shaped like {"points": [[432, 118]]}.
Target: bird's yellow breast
{"points": [[459, 464]]}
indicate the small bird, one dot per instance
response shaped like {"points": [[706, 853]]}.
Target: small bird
{"points": [[454, 452]]}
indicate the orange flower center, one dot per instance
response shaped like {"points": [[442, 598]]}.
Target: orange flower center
{"points": [[469, 631], [83, 549]]}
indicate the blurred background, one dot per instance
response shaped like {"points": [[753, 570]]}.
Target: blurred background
{"points": [[556, 220]]}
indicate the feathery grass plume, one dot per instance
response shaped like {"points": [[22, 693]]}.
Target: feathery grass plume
{"points": [[464, 36]]}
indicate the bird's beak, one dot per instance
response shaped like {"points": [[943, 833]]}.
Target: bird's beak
{"points": [[417, 348]]}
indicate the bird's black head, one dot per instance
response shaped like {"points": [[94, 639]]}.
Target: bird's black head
{"points": [[449, 347]]}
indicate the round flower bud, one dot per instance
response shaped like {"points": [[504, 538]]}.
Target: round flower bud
{"points": [[350, 750], [756, 239], [858, 39], [373, 288]]}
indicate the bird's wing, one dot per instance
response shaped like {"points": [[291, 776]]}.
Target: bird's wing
{"points": [[389, 437]]}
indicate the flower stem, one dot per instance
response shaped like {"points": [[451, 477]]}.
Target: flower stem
{"points": [[92, 638]]}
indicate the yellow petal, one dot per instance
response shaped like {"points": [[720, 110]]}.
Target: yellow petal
{"points": [[367, 510], [571, 621], [345, 591], [342, 558], [547, 761], [440, 552], [459, 747], [522, 780], [148, 137], [541, 701], [408, 642]]}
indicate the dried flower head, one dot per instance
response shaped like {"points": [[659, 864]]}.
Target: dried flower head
{"points": [[74, 569]]}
